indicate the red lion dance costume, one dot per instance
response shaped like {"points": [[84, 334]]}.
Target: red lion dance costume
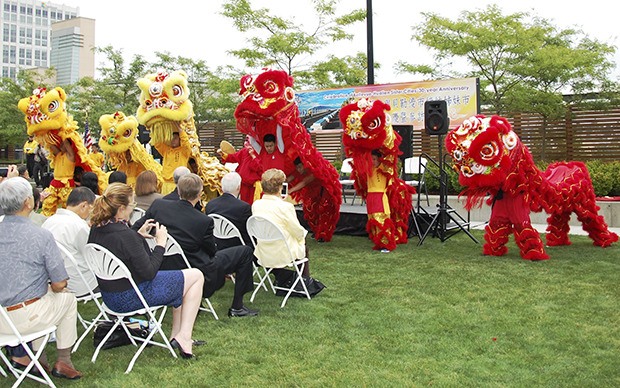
{"points": [[490, 158], [268, 107], [366, 128]]}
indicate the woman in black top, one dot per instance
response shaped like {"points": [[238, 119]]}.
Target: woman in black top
{"points": [[180, 289]]}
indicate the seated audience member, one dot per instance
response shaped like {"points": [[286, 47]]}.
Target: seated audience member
{"points": [[11, 172], [33, 280], [174, 194], [194, 232], [272, 207], [146, 189], [69, 228], [180, 289], [22, 170], [235, 210], [35, 216], [117, 176], [90, 180]]}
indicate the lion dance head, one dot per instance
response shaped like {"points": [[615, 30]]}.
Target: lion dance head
{"points": [[164, 102]]}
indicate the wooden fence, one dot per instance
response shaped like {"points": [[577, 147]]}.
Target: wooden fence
{"points": [[581, 135]]}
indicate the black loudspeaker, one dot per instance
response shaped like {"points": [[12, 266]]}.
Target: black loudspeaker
{"points": [[143, 135], [436, 120], [406, 145]]}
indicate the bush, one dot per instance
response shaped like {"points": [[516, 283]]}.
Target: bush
{"points": [[603, 178]]}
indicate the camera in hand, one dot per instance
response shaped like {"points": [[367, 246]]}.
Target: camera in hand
{"points": [[4, 172]]}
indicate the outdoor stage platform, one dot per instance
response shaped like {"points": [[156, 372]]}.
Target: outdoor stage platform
{"points": [[352, 220]]}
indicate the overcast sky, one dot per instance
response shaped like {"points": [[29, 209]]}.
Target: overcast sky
{"points": [[140, 27]]}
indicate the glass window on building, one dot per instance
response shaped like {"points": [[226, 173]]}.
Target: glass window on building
{"points": [[5, 54], [29, 11], [12, 55], [13, 28], [45, 13], [5, 33], [7, 7]]}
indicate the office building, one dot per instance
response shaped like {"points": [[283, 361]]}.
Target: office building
{"points": [[32, 30]]}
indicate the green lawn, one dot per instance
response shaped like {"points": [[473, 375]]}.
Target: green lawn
{"points": [[441, 314]]}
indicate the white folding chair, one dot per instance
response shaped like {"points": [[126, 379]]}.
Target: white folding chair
{"points": [[260, 230], [89, 296], [345, 179], [19, 339], [109, 267], [173, 248], [417, 167], [224, 229], [136, 214]]}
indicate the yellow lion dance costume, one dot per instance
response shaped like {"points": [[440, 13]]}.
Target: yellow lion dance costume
{"points": [[165, 110], [125, 153], [47, 119]]}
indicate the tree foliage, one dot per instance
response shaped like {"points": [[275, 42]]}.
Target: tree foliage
{"points": [[524, 62], [284, 44]]}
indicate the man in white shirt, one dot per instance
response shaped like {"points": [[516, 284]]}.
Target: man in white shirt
{"points": [[70, 228]]}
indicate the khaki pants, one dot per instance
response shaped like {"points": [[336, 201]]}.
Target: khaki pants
{"points": [[54, 308]]}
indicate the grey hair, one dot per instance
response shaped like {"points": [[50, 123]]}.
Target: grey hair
{"points": [[13, 193], [231, 182], [179, 172]]}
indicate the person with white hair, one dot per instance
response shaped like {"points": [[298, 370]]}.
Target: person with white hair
{"points": [[174, 194], [33, 277], [230, 206]]}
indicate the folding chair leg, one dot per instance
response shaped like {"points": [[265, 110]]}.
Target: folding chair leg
{"points": [[34, 357], [261, 283], [210, 309], [86, 331]]}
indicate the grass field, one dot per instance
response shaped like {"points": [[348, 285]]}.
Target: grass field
{"points": [[441, 314]]}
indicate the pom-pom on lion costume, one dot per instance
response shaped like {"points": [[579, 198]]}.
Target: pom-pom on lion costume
{"points": [[269, 107], [165, 109], [367, 128], [47, 119], [490, 158], [125, 153]]}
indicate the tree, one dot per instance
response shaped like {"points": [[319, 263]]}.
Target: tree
{"points": [[116, 91], [283, 43], [336, 72], [12, 125], [524, 63]]}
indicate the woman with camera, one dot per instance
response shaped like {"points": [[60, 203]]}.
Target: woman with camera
{"points": [[181, 289]]}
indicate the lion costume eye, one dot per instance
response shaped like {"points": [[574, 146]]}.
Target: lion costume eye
{"points": [[53, 106], [270, 87], [376, 123], [127, 132], [156, 89], [177, 90], [457, 155], [510, 140], [489, 151]]}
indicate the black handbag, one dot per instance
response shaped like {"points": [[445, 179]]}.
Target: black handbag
{"points": [[118, 338]]}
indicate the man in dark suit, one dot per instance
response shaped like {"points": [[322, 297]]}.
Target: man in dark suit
{"points": [[194, 232], [234, 209], [174, 194]]}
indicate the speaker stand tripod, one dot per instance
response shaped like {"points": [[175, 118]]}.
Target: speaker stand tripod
{"points": [[446, 222]]}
